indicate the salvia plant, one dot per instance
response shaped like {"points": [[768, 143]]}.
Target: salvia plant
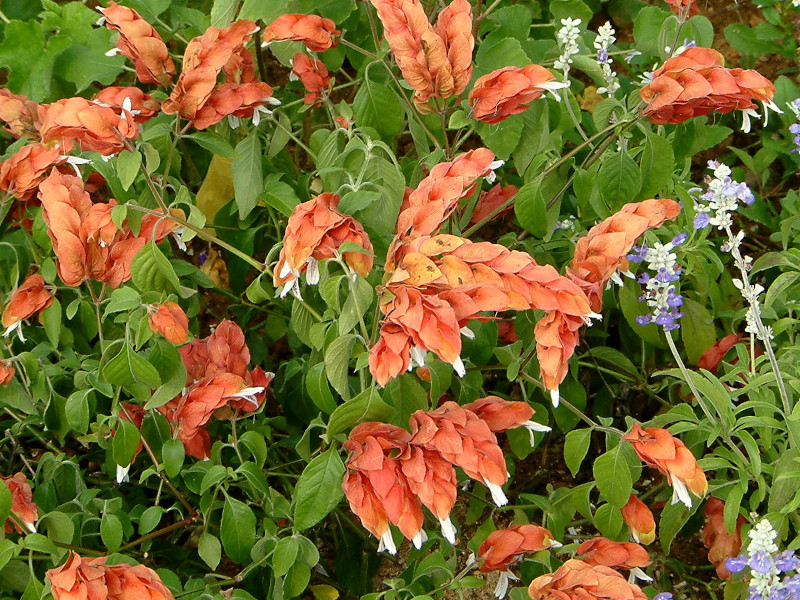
{"points": [[399, 299]]}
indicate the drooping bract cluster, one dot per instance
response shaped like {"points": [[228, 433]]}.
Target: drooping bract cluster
{"points": [[22, 505], [93, 579], [660, 449], [315, 231], [576, 579], [28, 299], [392, 474], [639, 520], [721, 543], [598, 256], [509, 91], [695, 83]]}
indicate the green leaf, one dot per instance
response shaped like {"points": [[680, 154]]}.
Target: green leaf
{"points": [[150, 519], [318, 390], [128, 367], [237, 529], [502, 138], [77, 410], [337, 359], [265, 11], [59, 527], [128, 164], [377, 106], [173, 454], [699, 332], [497, 52], [576, 445], [214, 143], [111, 532], [673, 518], [223, 12], [658, 164], [296, 580], [210, 550], [51, 316], [248, 175], [5, 502], [281, 196], [646, 29], [318, 490], [172, 371], [256, 444], [151, 271], [285, 555], [29, 58], [613, 477], [608, 520], [125, 443], [531, 209], [367, 406], [356, 305], [619, 180]]}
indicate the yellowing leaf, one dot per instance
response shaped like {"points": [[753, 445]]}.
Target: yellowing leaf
{"points": [[324, 592], [217, 187]]}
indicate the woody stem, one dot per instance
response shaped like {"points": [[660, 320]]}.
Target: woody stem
{"points": [[96, 301], [159, 532]]}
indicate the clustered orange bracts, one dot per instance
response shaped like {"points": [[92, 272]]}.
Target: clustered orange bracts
{"points": [[435, 61], [721, 543], [492, 200], [87, 243], [392, 474], [598, 256], [315, 231], [601, 551], [198, 98], [314, 76], [695, 83], [218, 381], [22, 504], [509, 91], [140, 43], [6, 371], [660, 449], [93, 579], [317, 33], [435, 284], [504, 547], [28, 299], [578, 580]]}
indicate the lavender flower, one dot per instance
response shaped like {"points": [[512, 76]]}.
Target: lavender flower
{"points": [[766, 565], [659, 291], [721, 199], [605, 37]]}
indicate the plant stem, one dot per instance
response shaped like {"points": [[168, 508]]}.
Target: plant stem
{"points": [[160, 532]]}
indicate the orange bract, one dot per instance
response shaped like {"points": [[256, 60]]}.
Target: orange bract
{"points": [[313, 74], [22, 505], [639, 520], [315, 232], [721, 544], [617, 555], [24, 170], [713, 356], [140, 43], [504, 547], [658, 448], [508, 91], [491, 201], [679, 6], [696, 83], [169, 320], [142, 106], [28, 299], [6, 372], [93, 127], [93, 579], [436, 63], [577, 580], [317, 33], [196, 95], [20, 114]]}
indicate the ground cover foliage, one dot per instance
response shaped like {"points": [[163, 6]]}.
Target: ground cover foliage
{"points": [[399, 299]]}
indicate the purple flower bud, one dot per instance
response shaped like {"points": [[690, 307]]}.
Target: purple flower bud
{"points": [[679, 239], [795, 128], [644, 319], [674, 300], [736, 564], [663, 596]]}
